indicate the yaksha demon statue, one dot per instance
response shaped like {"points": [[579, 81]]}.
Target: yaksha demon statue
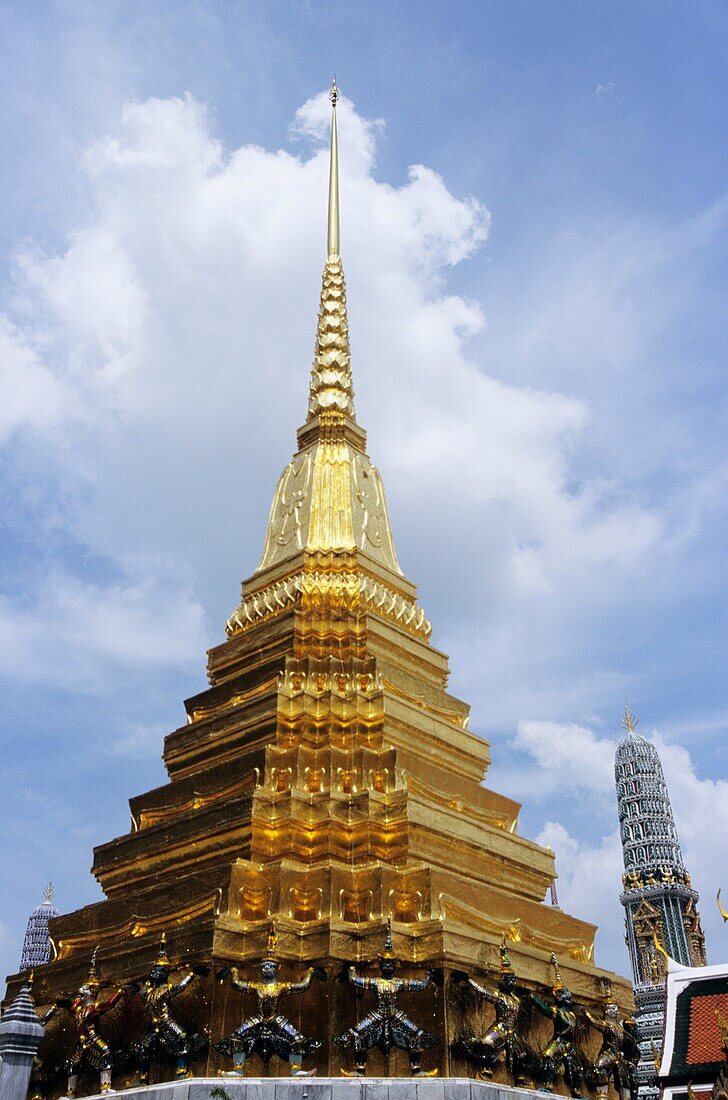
{"points": [[502, 1039], [619, 1053], [91, 1049], [562, 1053], [387, 1026], [268, 1033], [164, 1036]]}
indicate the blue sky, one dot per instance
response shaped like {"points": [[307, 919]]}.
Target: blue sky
{"points": [[534, 226]]}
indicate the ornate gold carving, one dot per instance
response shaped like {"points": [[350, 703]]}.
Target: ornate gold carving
{"points": [[139, 926], [280, 779], [330, 498], [405, 905], [237, 699], [331, 384], [350, 591], [196, 801], [305, 902], [254, 902], [355, 906]]}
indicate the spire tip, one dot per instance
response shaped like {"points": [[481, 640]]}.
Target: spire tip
{"points": [[629, 722]]}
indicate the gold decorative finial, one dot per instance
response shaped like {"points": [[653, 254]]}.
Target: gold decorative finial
{"points": [[331, 386], [655, 1055], [721, 910], [48, 895], [558, 984], [333, 234], [660, 947], [505, 958], [272, 945], [629, 722]]}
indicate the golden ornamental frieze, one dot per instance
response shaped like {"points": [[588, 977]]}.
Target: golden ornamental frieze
{"points": [[431, 796], [329, 498], [516, 929], [455, 719], [237, 699], [197, 801], [136, 926], [319, 590]]}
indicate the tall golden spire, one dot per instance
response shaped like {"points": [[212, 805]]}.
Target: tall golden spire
{"points": [[333, 228], [331, 384]]}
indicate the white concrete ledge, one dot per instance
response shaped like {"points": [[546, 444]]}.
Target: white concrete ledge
{"points": [[326, 1088]]}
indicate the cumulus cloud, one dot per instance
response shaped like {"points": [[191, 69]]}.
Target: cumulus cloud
{"points": [[32, 398], [79, 631], [568, 754]]}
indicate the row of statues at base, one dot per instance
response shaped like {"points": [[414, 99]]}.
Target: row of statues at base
{"points": [[268, 1032], [385, 1027], [164, 1037], [504, 1040]]}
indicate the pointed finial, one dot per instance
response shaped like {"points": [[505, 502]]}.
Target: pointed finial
{"points": [[629, 722], [505, 958], [558, 984], [721, 910], [162, 956], [93, 975], [48, 896], [333, 230], [388, 952], [270, 955]]}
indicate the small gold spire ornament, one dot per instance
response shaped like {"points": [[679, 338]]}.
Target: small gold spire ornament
{"points": [[721, 910], [629, 722], [333, 229], [505, 958], [331, 385], [558, 984], [661, 948]]}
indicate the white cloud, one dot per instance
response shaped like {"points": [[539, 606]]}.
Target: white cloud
{"points": [[568, 753], [138, 741], [589, 885], [31, 397], [79, 631]]}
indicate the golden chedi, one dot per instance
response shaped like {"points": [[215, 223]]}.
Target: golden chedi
{"points": [[324, 782]]}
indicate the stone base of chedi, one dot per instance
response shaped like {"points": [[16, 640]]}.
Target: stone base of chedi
{"points": [[312, 1088], [324, 782]]}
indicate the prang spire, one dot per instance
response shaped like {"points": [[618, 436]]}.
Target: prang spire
{"points": [[331, 385]]}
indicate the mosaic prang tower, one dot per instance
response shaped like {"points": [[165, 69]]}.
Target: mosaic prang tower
{"points": [[660, 903], [326, 780]]}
